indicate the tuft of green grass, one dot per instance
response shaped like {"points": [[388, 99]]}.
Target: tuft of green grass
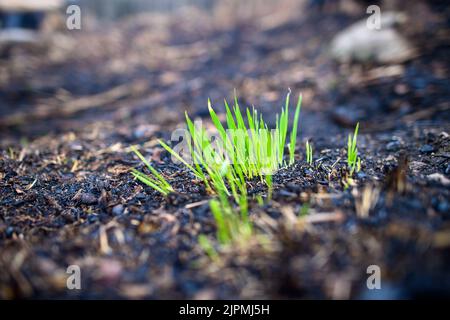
{"points": [[353, 160], [309, 153], [245, 144], [232, 225], [244, 148], [156, 182]]}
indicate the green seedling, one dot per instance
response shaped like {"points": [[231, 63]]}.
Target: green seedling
{"points": [[232, 226], [293, 140], [309, 153], [269, 183], [260, 200], [353, 161], [156, 182], [247, 149]]}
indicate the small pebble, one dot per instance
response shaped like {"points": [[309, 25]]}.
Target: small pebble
{"points": [[141, 196], [102, 184], [285, 193], [92, 218], [419, 83], [426, 148], [293, 187], [393, 146], [117, 210], [417, 165], [144, 131], [443, 206], [68, 218], [361, 175], [351, 225], [9, 232], [88, 198]]}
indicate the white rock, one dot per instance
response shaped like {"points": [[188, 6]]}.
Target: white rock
{"points": [[358, 43], [30, 5], [18, 36], [440, 178]]}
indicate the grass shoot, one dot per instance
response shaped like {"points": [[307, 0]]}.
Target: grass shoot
{"points": [[353, 160], [309, 153], [243, 149], [157, 182], [293, 140], [231, 224]]}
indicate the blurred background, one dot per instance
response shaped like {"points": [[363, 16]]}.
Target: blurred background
{"points": [[141, 63]]}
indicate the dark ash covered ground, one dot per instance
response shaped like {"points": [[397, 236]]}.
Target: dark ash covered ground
{"points": [[70, 109]]}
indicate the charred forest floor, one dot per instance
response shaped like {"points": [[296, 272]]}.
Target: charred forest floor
{"points": [[69, 111]]}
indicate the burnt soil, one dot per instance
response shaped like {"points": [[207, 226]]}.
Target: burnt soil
{"points": [[70, 109]]}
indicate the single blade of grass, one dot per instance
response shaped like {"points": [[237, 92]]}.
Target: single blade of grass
{"points": [[352, 149], [218, 213], [178, 157], [355, 135], [216, 121], [309, 157], [151, 183], [293, 139], [230, 120]]}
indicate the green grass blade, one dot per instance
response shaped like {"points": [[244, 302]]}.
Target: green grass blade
{"points": [[230, 119], [151, 183], [218, 213], [293, 139], [178, 157], [153, 170]]}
